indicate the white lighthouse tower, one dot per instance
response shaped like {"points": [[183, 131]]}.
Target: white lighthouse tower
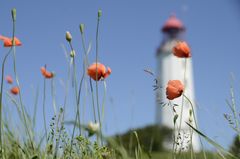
{"points": [[170, 67]]}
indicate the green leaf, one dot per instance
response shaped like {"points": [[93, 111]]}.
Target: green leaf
{"points": [[216, 145]]}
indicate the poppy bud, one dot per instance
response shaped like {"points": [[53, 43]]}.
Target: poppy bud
{"points": [[99, 13], [81, 28], [68, 36], [14, 14], [15, 90], [72, 53], [93, 127], [9, 79]]}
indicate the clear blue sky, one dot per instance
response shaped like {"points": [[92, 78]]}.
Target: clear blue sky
{"points": [[129, 36]]}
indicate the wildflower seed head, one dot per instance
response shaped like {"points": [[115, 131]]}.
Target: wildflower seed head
{"points": [[68, 36], [14, 13], [81, 28], [99, 13]]}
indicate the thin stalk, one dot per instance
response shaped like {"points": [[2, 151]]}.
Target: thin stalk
{"points": [[93, 103], [86, 65], [1, 94], [76, 92], [53, 96], [184, 81], [17, 81], [98, 107], [234, 110], [64, 107], [35, 108], [174, 148], [174, 138], [104, 99], [181, 113], [60, 119], [67, 83], [195, 121], [44, 113]]}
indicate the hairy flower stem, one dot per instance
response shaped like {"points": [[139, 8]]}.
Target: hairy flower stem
{"points": [[98, 107], [182, 107], [44, 113], [86, 63], [1, 94], [53, 96], [18, 84], [77, 95], [76, 91]]}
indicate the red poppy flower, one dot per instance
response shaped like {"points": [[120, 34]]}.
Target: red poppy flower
{"points": [[8, 41], [9, 79], [15, 90], [101, 71], [109, 71], [174, 89], [182, 50], [46, 73]]}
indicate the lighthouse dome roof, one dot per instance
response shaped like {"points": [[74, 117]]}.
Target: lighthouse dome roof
{"points": [[172, 23]]}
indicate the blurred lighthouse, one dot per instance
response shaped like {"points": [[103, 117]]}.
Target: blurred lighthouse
{"points": [[170, 67]]}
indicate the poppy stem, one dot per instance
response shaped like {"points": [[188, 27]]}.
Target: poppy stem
{"points": [[53, 96], [18, 84], [77, 98], [76, 91], [85, 66], [1, 95], [44, 113], [98, 107], [174, 133], [182, 107]]}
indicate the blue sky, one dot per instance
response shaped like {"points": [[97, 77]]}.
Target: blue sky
{"points": [[129, 36]]}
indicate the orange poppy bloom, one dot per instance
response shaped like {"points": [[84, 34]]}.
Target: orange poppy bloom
{"points": [[8, 41], [109, 71], [101, 71], [174, 89], [9, 79], [46, 73], [15, 90], [182, 50]]}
